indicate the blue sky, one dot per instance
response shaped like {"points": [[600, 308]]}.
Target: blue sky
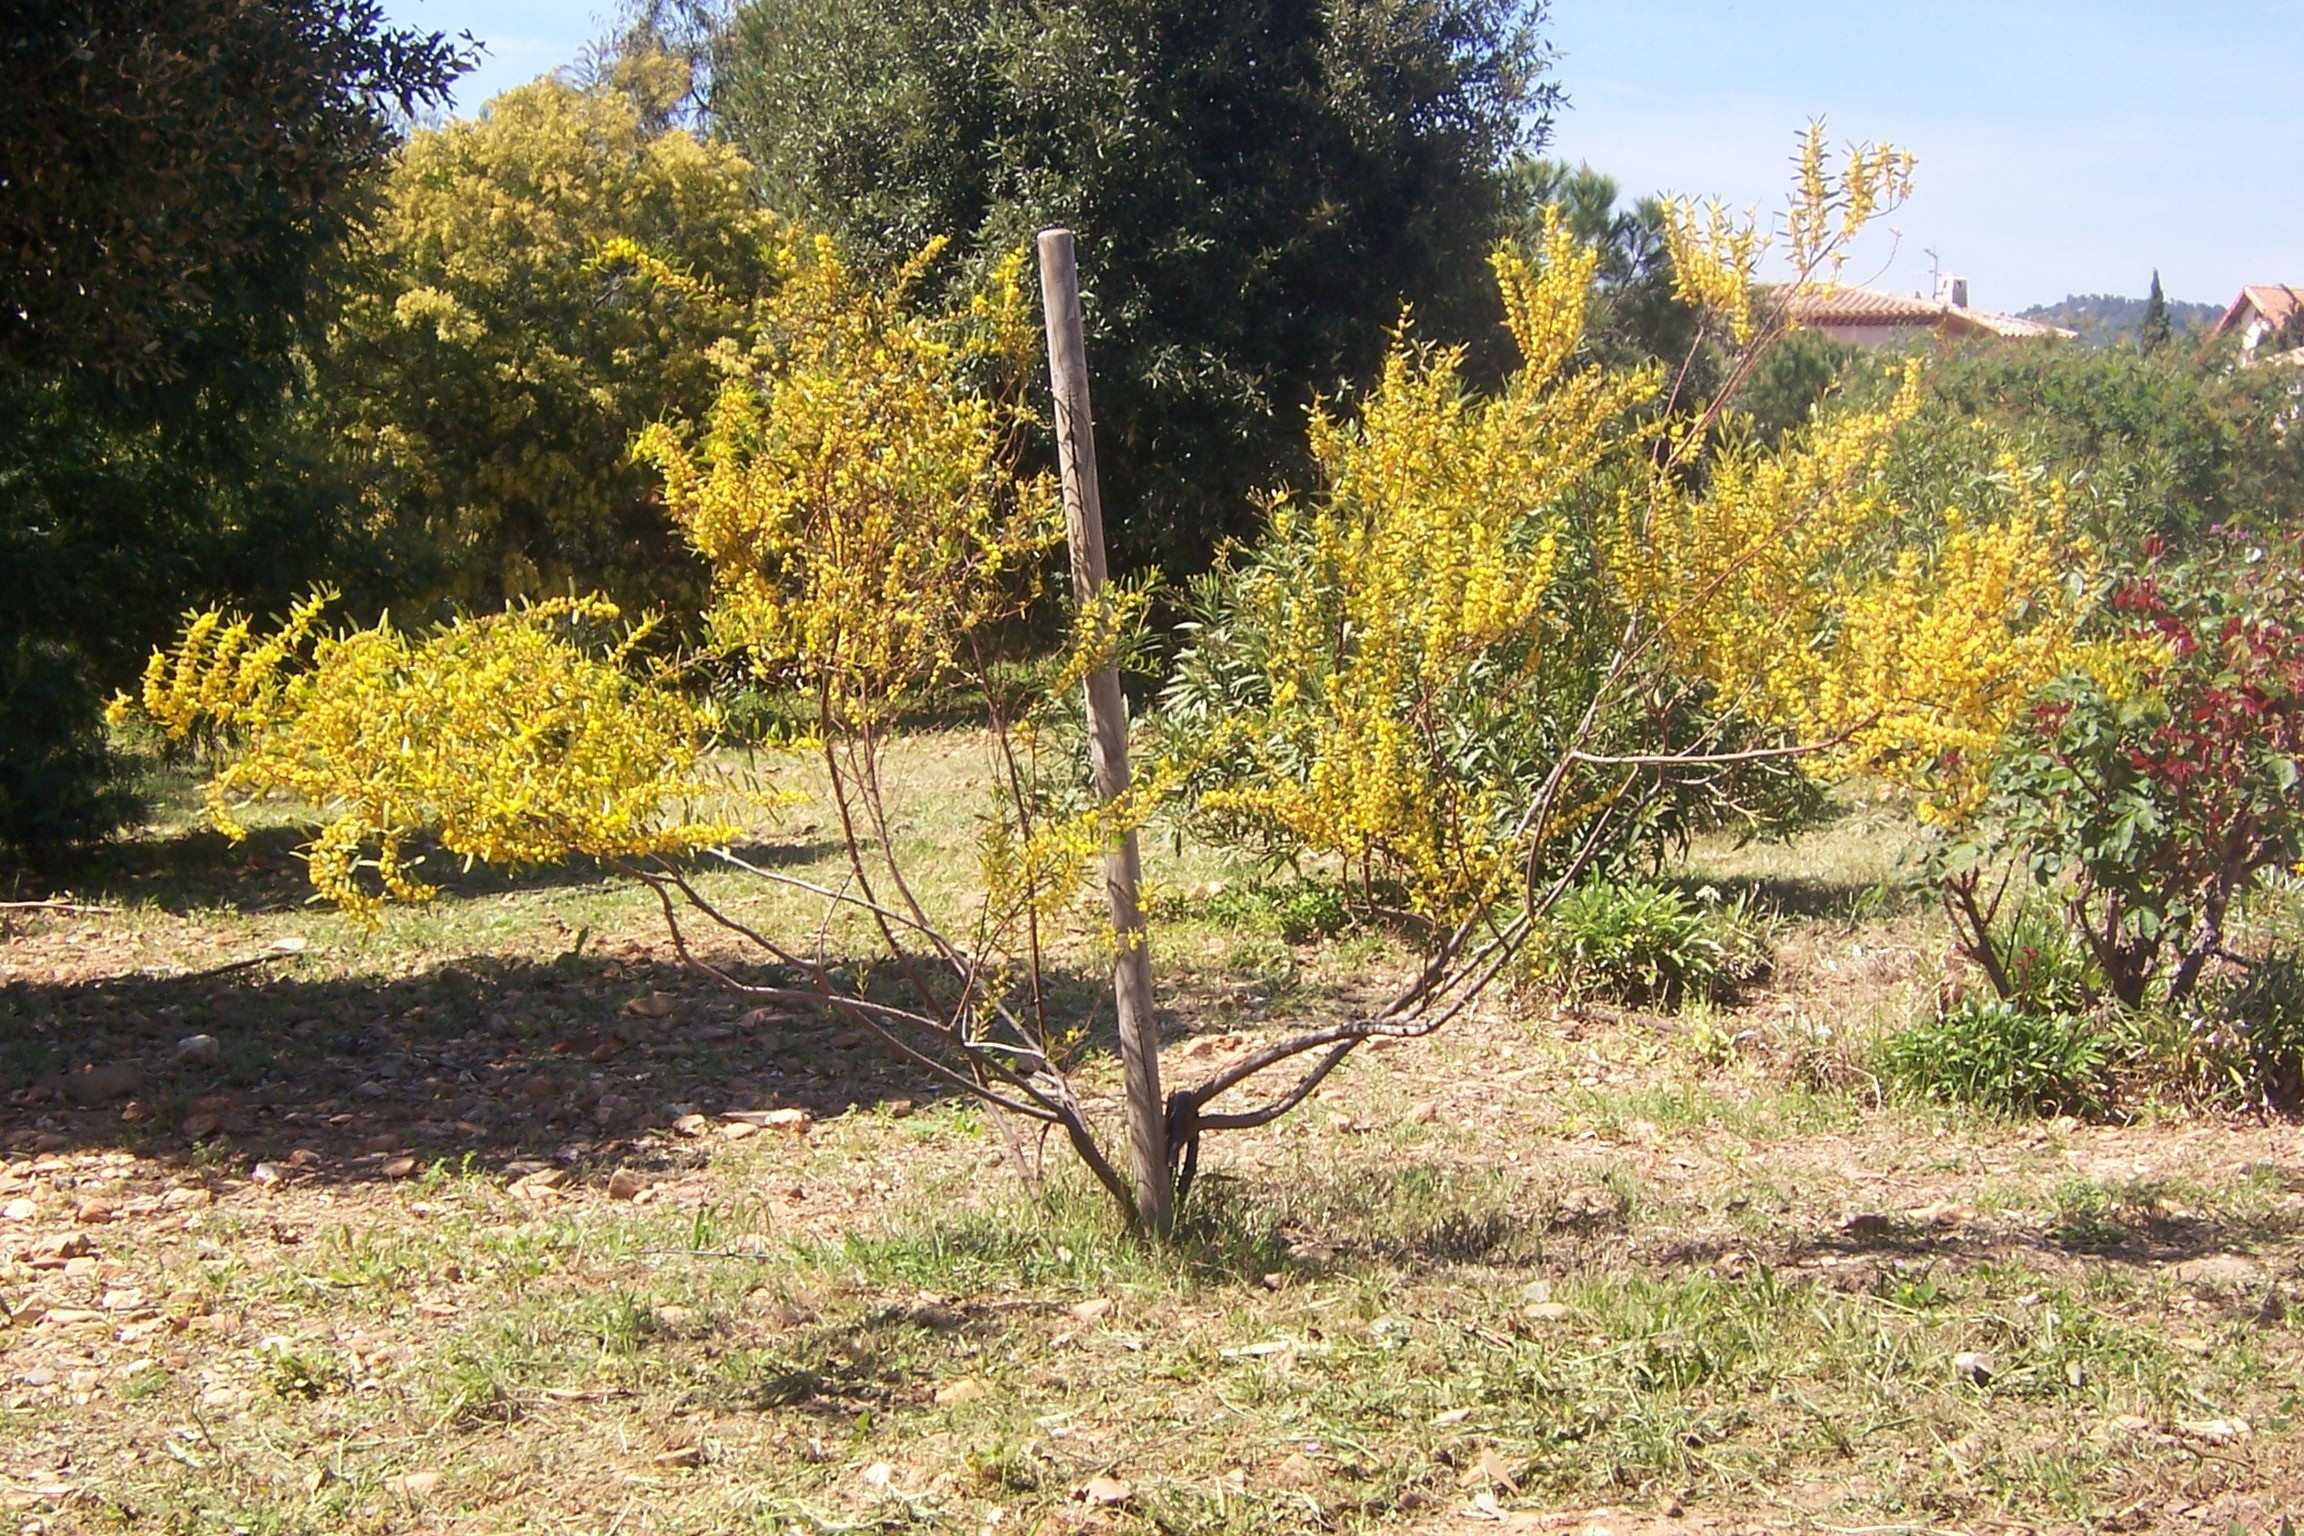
{"points": [[2066, 146]]}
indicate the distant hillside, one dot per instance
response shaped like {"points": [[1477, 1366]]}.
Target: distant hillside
{"points": [[2104, 318]]}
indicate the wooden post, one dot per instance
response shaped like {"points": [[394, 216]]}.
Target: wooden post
{"points": [[1107, 734]]}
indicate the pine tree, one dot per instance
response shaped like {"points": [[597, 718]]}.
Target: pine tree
{"points": [[2157, 330]]}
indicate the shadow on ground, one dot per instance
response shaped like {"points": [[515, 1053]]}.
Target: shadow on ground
{"points": [[198, 869], [486, 1058]]}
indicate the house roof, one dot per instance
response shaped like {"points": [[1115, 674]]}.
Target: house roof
{"points": [[2274, 301], [1855, 306]]}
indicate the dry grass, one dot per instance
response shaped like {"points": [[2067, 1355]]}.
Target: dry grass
{"points": [[1693, 1269]]}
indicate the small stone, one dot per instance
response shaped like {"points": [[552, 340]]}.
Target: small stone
{"points": [[399, 1167], [738, 1130], [795, 1120], [186, 1197], [64, 1246], [1104, 1493], [900, 1108], [1975, 1366], [953, 1393], [103, 1085], [675, 1316], [1424, 1113], [652, 1005], [1092, 1309], [1452, 1416], [1536, 1292], [626, 1184], [2213, 1431], [1548, 1312], [691, 1124], [198, 1050], [543, 1179], [413, 1485], [1295, 1470], [18, 1210], [266, 1174], [201, 1126], [95, 1213]]}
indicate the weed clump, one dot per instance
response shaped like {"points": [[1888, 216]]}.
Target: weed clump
{"points": [[1997, 1055], [1651, 945]]}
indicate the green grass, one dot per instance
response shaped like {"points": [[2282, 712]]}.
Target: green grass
{"points": [[1630, 1260]]}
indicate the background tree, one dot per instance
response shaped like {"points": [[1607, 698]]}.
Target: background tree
{"points": [[1258, 185], [178, 175], [2156, 329], [494, 373]]}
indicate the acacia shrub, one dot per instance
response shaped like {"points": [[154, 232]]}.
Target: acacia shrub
{"points": [[490, 372], [874, 530]]}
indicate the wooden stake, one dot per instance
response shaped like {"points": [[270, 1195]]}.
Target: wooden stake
{"points": [[1107, 733]]}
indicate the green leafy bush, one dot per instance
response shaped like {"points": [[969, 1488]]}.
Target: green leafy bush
{"points": [[2268, 1009], [1993, 1054], [1297, 910], [1648, 944], [58, 782]]}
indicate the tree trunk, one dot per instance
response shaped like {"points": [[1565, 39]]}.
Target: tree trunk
{"points": [[1107, 735]]}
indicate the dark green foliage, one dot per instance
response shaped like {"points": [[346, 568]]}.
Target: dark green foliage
{"points": [[1996, 1055], [178, 175], [176, 171], [2104, 319], [2164, 445], [1258, 186], [57, 781], [2155, 330]]}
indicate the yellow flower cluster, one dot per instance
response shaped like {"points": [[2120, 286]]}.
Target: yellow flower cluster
{"points": [[1716, 256], [856, 491], [1430, 550], [509, 738], [1781, 587]]}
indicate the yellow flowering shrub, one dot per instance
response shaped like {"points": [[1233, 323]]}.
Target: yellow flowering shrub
{"points": [[855, 491], [514, 739], [1484, 639]]}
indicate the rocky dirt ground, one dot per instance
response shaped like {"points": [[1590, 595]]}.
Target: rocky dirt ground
{"points": [[503, 1223]]}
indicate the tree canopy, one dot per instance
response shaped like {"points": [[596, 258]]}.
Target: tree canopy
{"points": [[177, 175], [493, 371], [1259, 187]]}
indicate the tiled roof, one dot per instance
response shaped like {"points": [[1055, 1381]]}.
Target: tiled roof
{"points": [[1869, 306], [2274, 301]]}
